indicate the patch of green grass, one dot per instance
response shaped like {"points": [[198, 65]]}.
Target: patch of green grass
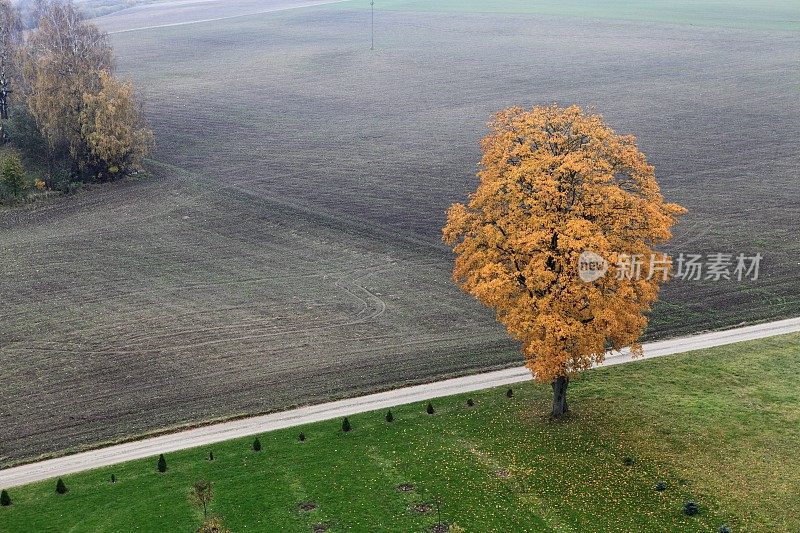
{"points": [[719, 426], [766, 15]]}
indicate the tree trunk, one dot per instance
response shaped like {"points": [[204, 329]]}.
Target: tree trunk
{"points": [[560, 396]]}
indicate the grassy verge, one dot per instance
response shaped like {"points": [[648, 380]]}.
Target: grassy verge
{"points": [[719, 426]]}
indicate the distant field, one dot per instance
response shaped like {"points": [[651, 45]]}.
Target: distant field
{"points": [[499, 466], [178, 12], [286, 247], [782, 15], [764, 15]]}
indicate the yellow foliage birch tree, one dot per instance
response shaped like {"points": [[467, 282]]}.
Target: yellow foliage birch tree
{"points": [[61, 61], [555, 183], [113, 129]]}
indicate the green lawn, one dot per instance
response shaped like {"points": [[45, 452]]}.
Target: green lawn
{"points": [[761, 15], [719, 426]]}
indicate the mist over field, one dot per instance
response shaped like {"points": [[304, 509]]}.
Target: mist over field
{"points": [[285, 247]]}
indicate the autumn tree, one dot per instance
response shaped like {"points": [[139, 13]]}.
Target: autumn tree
{"points": [[62, 61], [117, 140], [555, 183], [78, 106]]}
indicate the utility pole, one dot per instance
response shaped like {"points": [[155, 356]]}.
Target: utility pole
{"points": [[372, 6]]}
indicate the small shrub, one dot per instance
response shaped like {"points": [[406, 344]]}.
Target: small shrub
{"points": [[256, 445], [113, 478], [691, 508], [628, 461], [661, 486], [430, 410], [210, 456], [389, 417], [470, 402], [74, 187], [5, 499], [12, 175], [302, 437], [60, 180], [724, 528], [346, 427], [162, 464], [510, 393], [61, 488]]}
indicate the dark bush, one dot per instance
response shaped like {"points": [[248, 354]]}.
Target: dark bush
{"points": [[162, 464], [389, 417], [302, 437], [113, 478], [661, 486], [73, 187], [210, 456], [5, 499], [724, 529], [510, 393], [430, 410], [61, 488], [59, 180], [24, 134], [628, 461], [690, 508], [256, 445], [346, 427], [470, 402]]}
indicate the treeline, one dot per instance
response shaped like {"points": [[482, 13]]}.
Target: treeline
{"points": [[98, 8], [89, 8], [63, 113]]}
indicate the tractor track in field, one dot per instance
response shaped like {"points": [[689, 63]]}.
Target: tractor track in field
{"points": [[208, 188], [372, 307]]}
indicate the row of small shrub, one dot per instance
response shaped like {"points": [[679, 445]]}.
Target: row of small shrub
{"points": [[690, 508], [161, 464]]}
